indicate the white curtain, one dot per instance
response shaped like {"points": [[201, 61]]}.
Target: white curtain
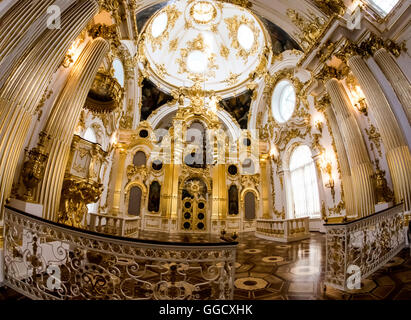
{"points": [[304, 184]]}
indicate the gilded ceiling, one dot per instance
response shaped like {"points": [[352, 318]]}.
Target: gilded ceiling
{"points": [[216, 43]]}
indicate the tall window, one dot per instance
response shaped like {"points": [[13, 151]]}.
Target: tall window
{"points": [[304, 183], [383, 7]]}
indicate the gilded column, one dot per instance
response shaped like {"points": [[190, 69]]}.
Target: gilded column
{"points": [[220, 191], [121, 155], [177, 156], [265, 187], [21, 26], [361, 168], [23, 90], [343, 161], [397, 151], [63, 120], [397, 79]]}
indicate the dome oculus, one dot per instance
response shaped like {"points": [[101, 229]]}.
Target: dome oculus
{"points": [[159, 24], [283, 101], [203, 12], [245, 37]]}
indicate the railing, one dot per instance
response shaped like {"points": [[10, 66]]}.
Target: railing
{"points": [[358, 248], [283, 230], [114, 225], [46, 260]]}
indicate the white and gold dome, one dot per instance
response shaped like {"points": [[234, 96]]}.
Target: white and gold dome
{"points": [[216, 43]]}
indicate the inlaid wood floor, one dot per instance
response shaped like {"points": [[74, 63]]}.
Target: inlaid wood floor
{"points": [[268, 270]]}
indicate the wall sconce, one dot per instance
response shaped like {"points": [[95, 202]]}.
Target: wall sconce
{"points": [[359, 101], [319, 125], [72, 54]]}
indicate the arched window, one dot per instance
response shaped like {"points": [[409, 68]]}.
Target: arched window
{"points": [[383, 7], [196, 139], [90, 135], [233, 200], [154, 197], [304, 183], [119, 71], [140, 159], [283, 101], [134, 202], [249, 205]]}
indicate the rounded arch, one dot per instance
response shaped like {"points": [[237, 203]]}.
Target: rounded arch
{"points": [[290, 149], [234, 131], [191, 175], [135, 184], [140, 148], [245, 190], [140, 158], [303, 190]]}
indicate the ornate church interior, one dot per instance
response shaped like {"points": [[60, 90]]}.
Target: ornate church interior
{"points": [[205, 149]]}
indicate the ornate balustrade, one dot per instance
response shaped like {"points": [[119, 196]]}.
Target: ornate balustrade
{"points": [[47, 260], [358, 248], [286, 230], [114, 225]]}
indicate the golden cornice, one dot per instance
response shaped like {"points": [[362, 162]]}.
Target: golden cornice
{"points": [[331, 7], [109, 5], [368, 47], [241, 3], [322, 103], [327, 72], [312, 27], [109, 33]]}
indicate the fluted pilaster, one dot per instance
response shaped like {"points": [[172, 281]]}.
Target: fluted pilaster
{"points": [[219, 194], [23, 90], [265, 188], [121, 156], [63, 119], [397, 79], [360, 164], [343, 161], [23, 23], [397, 151]]}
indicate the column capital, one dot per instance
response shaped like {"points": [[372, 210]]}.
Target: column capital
{"points": [[368, 47], [327, 73]]}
